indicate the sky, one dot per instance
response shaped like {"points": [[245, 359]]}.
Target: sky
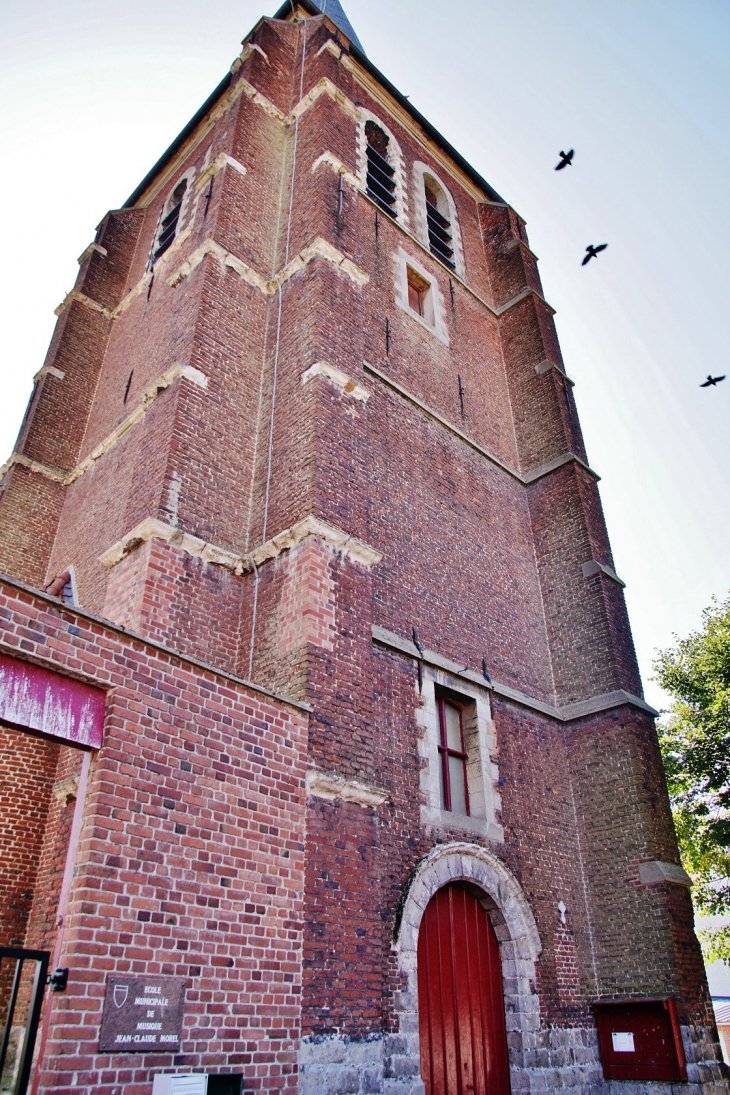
{"points": [[92, 93]]}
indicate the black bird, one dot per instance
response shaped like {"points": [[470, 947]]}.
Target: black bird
{"points": [[712, 381], [566, 159], [593, 251]]}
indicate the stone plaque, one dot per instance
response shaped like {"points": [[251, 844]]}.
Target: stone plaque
{"points": [[142, 1015]]}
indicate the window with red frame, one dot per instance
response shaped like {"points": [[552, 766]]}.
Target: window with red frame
{"points": [[453, 757]]}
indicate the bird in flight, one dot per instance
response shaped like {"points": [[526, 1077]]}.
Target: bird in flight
{"points": [[712, 381], [566, 159], [593, 251]]}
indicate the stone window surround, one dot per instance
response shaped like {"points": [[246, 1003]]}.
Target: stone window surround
{"points": [[395, 160], [189, 202], [73, 582], [481, 743], [402, 260], [519, 942], [419, 214], [423, 292]]}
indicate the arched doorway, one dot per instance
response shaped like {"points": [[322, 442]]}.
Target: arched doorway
{"points": [[460, 998]]}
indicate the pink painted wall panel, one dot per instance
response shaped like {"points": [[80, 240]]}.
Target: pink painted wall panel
{"points": [[38, 699]]}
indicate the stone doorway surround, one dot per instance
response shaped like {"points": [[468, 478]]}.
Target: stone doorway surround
{"points": [[500, 893], [391, 1063]]}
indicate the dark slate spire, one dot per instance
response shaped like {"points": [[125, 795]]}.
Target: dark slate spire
{"points": [[333, 10]]}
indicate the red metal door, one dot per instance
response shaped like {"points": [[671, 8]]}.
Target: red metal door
{"points": [[460, 998]]}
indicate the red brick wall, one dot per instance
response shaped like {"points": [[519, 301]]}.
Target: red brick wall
{"points": [[623, 812], [27, 772], [484, 560], [43, 923], [190, 862], [31, 507], [224, 327], [178, 600], [352, 465]]}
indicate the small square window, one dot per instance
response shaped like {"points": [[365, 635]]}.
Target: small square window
{"points": [[420, 298]]}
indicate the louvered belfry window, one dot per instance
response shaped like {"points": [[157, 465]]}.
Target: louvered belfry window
{"points": [[381, 176], [439, 226], [168, 225]]}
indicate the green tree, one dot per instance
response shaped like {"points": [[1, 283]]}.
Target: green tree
{"points": [[695, 741]]}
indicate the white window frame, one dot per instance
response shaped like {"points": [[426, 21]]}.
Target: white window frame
{"points": [[419, 215], [482, 772]]}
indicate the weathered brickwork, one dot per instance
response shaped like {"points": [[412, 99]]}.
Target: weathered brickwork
{"points": [[193, 412], [179, 600], [27, 774], [42, 931], [190, 860]]}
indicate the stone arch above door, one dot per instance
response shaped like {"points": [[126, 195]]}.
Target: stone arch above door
{"points": [[514, 924]]}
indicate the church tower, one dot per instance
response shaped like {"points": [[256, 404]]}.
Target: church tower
{"points": [[320, 708]]}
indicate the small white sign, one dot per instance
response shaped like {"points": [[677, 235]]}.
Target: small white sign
{"points": [[196, 1084], [623, 1041], [170, 1083]]}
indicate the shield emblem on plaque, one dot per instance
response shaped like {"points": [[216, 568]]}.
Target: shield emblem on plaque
{"points": [[120, 995]]}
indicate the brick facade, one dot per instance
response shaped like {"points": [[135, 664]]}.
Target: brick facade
{"points": [[264, 467], [190, 861], [28, 770]]}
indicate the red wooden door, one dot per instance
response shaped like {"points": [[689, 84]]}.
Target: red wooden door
{"points": [[460, 998]]}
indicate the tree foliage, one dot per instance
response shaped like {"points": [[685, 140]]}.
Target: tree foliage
{"points": [[695, 741]]}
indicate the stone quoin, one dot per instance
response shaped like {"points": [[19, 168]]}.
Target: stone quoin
{"points": [[316, 669]]}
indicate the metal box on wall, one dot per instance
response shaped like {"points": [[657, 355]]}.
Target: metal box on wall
{"points": [[640, 1040]]}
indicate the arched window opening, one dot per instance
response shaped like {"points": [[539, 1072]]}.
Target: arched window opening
{"points": [[439, 225], [381, 176], [62, 587], [168, 226]]}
